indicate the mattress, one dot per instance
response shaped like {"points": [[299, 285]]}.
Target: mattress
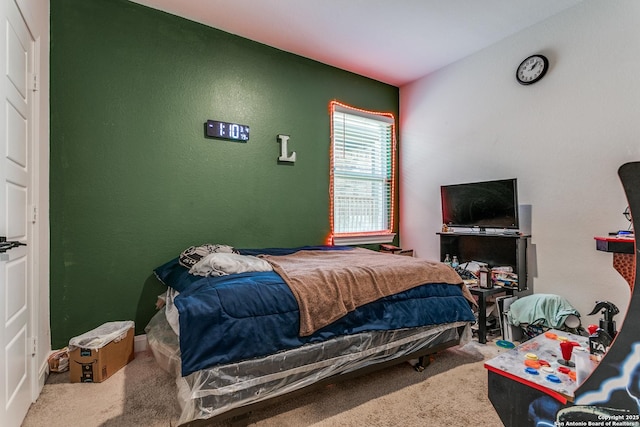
{"points": [[243, 316]]}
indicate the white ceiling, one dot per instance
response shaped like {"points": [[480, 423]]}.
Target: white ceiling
{"points": [[393, 41]]}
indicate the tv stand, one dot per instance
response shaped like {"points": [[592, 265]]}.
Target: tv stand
{"points": [[495, 249]]}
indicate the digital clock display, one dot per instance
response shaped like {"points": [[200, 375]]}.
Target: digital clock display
{"points": [[225, 130]]}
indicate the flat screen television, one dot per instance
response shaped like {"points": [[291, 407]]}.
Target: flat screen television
{"points": [[487, 204]]}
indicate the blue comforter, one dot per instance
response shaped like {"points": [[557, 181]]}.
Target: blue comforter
{"points": [[240, 316]]}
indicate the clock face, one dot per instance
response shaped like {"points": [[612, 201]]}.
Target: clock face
{"points": [[225, 130], [532, 69]]}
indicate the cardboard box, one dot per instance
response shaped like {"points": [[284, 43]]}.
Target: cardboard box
{"points": [[96, 365]]}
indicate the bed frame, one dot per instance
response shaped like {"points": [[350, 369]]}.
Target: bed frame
{"points": [[214, 392], [239, 417]]}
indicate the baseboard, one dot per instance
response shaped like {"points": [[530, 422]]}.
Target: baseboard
{"points": [[43, 373], [140, 343]]}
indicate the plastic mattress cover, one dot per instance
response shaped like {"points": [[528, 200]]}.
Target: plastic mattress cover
{"points": [[210, 392], [97, 338]]}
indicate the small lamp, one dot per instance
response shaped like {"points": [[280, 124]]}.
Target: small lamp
{"points": [[484, 278]]}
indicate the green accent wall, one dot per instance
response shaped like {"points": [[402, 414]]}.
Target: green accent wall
{"points": [[133, 179]]}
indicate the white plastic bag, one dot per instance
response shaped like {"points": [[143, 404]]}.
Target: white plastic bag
{"points": [[102, 335]]}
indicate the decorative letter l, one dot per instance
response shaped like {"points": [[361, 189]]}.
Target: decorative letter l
{"points": [[284, 157]]}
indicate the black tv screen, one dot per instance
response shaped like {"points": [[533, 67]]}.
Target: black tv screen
{"points": [[488, 204]]}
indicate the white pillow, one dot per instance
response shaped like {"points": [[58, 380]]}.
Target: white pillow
{"points": [[221, 264]]}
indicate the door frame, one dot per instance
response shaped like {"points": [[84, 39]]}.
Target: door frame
{"points": [[36, 14]]}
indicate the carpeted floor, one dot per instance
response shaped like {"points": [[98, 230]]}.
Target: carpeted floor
{"points": [[451, 391]]}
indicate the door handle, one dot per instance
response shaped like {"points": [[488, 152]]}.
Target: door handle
{"points": [[6, 245]]}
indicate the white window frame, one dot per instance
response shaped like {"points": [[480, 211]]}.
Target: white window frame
{"points": [[375, 168]]}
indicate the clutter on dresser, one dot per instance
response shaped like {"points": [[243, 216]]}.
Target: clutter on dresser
{"points": [[502, 276]]}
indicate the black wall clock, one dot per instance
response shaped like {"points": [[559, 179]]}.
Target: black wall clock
{"points": [[532, 69], [226, 130]]}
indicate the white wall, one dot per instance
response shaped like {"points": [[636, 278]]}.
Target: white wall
{"points": [[563, 138]]}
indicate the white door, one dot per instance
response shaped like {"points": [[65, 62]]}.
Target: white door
{"points": [[16, 351]]}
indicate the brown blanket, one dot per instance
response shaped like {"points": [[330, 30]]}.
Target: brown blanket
{"points": [[329, 284]]}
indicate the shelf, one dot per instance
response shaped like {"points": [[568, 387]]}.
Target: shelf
{"points": [[622, 245], [496, 250], [477, 233]]}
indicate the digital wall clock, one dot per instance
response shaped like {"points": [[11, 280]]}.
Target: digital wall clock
{"points": [[226, 130]]}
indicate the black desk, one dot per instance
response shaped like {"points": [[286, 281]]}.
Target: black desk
{"points": [[482, 295]]}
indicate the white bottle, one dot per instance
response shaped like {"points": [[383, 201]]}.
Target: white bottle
{"points": [[447, 259], [455, 263]]}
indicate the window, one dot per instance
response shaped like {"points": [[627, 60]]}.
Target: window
{"points": [[362, 175]]}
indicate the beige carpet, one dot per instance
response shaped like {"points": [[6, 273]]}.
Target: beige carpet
{"points": [[452, 391]]}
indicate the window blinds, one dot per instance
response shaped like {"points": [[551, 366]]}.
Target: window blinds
{"points": [[362, 172]]}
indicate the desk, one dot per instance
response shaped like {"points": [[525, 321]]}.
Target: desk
{"points": [[513, 390], [482, 295]]}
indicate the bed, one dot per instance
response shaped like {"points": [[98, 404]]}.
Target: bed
{"points": [[255, 324]]}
